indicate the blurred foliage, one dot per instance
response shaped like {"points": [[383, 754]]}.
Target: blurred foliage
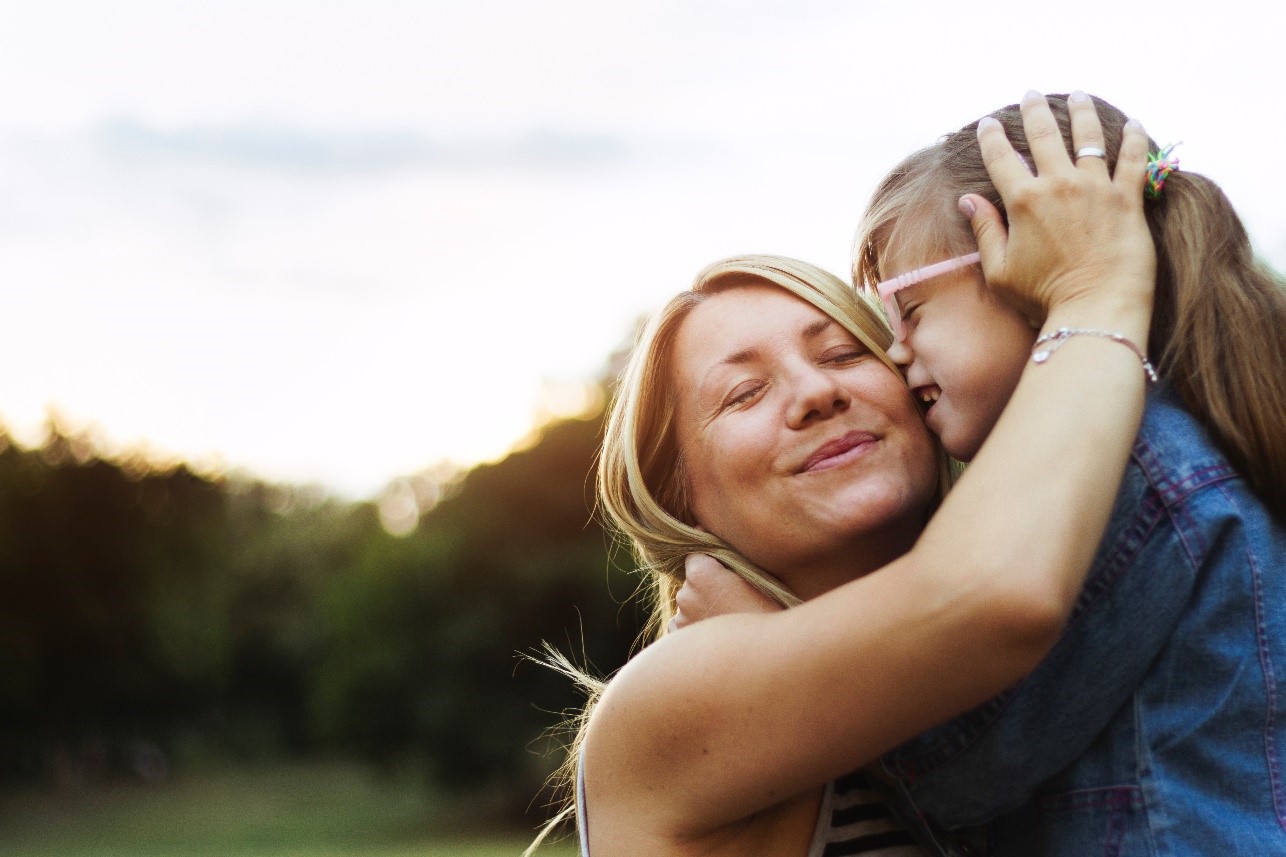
{"points": [[153, 615], [286, 809]]}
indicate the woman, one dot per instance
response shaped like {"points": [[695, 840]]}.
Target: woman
{"points": [[718, 740]]}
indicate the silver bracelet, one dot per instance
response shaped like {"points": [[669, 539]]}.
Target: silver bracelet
{"points": [[1048, 343]]}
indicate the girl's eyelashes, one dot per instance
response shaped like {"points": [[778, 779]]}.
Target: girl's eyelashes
{"points": [[910, 313]]}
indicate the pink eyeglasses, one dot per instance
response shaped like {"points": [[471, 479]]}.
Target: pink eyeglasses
{"points": [[887, 289]]}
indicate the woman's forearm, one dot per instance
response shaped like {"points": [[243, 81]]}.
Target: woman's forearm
{"points": [[1025, 520]]}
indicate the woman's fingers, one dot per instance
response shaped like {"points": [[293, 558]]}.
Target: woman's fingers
{"points": [[1088, 141], [1132, 160], [1043, 137], [1071, 232], [1005, 166], [989, 231]]}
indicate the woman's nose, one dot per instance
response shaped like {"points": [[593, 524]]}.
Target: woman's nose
{"points": [[819, 396]]}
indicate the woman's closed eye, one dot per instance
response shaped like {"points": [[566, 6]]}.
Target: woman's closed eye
{"points": [[742, 394], [845, 354]]}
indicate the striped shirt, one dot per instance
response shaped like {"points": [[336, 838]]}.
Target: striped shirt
{"points": [[853, 820]]}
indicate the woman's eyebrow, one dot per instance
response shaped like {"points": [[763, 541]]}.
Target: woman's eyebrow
{"points": [[817, 328], [745, 355]]}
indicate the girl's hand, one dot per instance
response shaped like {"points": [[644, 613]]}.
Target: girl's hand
{"points": [[1076, 234], [712, 589]]}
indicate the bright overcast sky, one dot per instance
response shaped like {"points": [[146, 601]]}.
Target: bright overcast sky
{"points": [[337, 242]]}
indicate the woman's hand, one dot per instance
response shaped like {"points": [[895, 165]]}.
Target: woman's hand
{"points": [[1076, 234], [710, 588]]}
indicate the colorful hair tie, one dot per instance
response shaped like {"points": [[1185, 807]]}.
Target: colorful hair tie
{"points": [[1160, 165]]}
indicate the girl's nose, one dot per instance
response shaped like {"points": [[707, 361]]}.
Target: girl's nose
{"points": [[900, 354]]}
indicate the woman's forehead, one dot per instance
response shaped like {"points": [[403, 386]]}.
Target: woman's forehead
{"points": [[739, 325]]}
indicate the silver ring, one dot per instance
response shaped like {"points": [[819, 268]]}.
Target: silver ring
{"points": [[1090, 152]]}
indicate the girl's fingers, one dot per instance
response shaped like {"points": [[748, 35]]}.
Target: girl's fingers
{"points": [[1132, 160], [1006, 167], [1043, 137], [1087, 134]]}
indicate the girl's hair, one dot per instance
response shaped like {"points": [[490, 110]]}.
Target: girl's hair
{"points": [[1218, 315], [642, 483]]}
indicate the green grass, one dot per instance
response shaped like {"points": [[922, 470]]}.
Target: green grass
{"points": [[312, 810]]}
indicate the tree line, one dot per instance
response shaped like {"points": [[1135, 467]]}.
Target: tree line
{"points": [[152, 616]]}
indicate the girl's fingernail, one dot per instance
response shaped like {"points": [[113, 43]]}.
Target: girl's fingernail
{"points": [[967, 208], [1135, 125], [988, 122], [1078, 97], [1032, 95]]}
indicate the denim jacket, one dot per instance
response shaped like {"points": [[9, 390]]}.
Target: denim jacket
{"points": [[1156, 725]]}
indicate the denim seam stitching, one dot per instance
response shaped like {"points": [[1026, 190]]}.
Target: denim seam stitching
{"points": [[1270, 688], [1143, 774], [1175, 493]]}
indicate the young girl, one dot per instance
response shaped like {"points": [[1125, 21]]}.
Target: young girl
{"points": [[1155, 726], [1217, 333]]}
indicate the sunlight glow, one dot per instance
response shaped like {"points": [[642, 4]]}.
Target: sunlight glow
{"points": [[420, 236]]}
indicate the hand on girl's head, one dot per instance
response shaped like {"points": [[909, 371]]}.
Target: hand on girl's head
{"points": [[1074, 230]]}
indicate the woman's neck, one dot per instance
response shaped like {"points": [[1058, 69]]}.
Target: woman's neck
{"points": [[851, 560]]}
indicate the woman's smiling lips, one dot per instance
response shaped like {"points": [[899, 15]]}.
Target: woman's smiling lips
{"points": [[839, 451]]}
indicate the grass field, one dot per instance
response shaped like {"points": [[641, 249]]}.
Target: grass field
{"points": [[287, 811]]}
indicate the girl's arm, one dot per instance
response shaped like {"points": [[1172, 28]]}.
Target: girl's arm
{"points": [[735, 714]]}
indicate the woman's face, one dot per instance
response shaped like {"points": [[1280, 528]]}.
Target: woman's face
{"points": [[799, 444]]}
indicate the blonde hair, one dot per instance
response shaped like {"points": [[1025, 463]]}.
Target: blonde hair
{"points": [[642, 486], [1219, 313]]}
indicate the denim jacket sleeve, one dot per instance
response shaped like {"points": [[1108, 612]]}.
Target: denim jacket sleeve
{"points": [[989, 760]]}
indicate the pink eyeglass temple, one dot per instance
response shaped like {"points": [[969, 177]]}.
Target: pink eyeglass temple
{"points": [[888, 288]]}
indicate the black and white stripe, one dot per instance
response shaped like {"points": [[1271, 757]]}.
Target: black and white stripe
{"points": [[854, 820]]}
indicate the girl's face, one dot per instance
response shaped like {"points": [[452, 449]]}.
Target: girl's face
{"points": [[963, 351], [800, 445]]}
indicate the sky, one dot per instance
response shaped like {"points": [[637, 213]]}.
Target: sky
{"points": [[337, 243]]}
